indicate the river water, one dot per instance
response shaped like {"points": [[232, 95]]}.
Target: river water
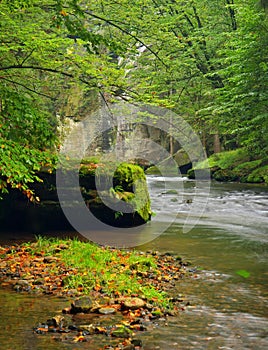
{"points": [[228, 290], [229, 293]]}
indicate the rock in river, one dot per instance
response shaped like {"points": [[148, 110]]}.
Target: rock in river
{"points": [[83, 304]]}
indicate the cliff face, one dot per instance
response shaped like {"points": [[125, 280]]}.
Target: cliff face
{"points": [[98, 130]]}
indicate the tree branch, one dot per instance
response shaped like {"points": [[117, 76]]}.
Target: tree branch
{"points": [[51, 70], [125, 32], [29, 89], [26, 58], [19, 66]]}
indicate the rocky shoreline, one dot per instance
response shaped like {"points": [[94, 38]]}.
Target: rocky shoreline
{"points": [[116, 315]]}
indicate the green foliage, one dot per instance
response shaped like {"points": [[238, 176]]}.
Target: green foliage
{"points": [[236, 165], [259, 175], [243, 273], [41, 60], [206, 60], [241, 105], [27, 138], [88, 160], [226, 160], [22, 121], [19, 165]]}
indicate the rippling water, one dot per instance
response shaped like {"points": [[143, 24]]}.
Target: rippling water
{"points": [[227, 310], [234, 208]]}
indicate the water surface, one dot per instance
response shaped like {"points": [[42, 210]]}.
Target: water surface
{"points": [[227, 310]]}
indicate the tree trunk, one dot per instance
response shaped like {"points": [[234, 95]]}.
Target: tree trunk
{"points": [[216, 143]]}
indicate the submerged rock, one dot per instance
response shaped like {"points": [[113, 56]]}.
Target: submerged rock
{"points": [[121, 332]]}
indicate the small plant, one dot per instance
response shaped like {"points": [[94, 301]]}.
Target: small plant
{"points": [[119, 188], [118, 214]]}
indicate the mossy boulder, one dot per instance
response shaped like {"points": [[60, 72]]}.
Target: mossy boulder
{"points": [[81, 305], [181, 157], [127, 175], [130, 187], [259, 175], [121, 332], [244, 170], [153, 170], [225, 175]]}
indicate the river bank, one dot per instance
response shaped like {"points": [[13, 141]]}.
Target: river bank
{"points": [[234, 166], [132, 289]]}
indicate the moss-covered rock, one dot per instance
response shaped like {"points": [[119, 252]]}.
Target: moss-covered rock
{"points": [[121, 332], [259, 175], [129, 186], [244, 170], [126, 175], [153, 170], [225, 175], [181, 157]]}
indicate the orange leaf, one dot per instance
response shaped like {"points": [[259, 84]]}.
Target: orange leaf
{"points": [[63, 13]]}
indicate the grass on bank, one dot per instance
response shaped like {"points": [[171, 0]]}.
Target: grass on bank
{"points": [[113, 272], [235, 165]]}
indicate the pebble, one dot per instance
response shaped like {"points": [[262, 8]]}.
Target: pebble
{"points": [[133, 303], [107, 310]]}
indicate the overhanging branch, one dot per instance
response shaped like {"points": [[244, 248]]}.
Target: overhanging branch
{"points": [[127, 33], [29, 89], [51, 70]]}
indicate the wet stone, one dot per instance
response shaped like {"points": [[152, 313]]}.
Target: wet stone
{"points": [[82, 305], [58, 321], [121, 332], [72, 292], [136, 342], [22, 283], [107, 310], [90, 328], [133, 303]]}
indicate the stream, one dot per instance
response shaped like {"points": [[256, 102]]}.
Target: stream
{"points": [[228, 290]]}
